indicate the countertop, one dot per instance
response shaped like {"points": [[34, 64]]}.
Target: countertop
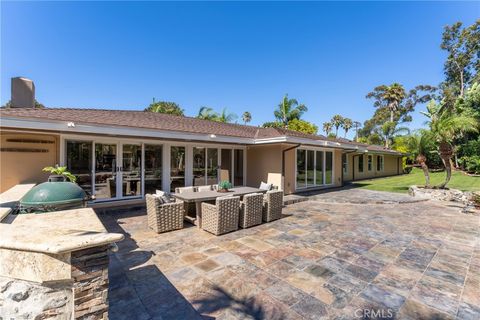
{"points": [[56, 232]]}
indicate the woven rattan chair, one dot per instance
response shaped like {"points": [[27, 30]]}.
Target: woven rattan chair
{"points": [[185, 189], [251, 210], [163, 217], [272, 205], [221, 217]]}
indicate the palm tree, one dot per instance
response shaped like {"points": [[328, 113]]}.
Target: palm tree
{"points": [[356, 125], [246, 117], [389, 130], [224, 116], [327, 128], [417, 144], [288, 110], [347, 125], [337, 121], [445, 127], [388, 97], [206, 113]]}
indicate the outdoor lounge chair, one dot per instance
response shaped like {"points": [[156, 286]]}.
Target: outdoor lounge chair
{"points": [[272, 205], [222, 217], [251, 210], [163, 217]]}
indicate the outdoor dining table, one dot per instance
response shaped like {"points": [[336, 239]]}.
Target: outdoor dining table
{"points": [[201, 196]]}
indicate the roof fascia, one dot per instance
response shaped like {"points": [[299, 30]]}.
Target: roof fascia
{"points": [[62, 126]]}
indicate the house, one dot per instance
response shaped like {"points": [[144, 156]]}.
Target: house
{"points": [[121, 155]]}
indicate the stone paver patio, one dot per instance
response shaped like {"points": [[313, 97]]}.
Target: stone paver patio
{"points": [[321, 261]]}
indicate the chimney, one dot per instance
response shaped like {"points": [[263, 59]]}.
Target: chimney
{"points": [[23, 93]]}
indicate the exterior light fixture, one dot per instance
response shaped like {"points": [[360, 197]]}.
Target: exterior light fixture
{"points": [[212, 136], [71, 124]]}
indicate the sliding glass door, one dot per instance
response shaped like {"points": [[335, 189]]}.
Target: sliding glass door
{"points": [[105, 171], [79, 162], [314, 168], [153, 168], [131, 170], [177, 167]]}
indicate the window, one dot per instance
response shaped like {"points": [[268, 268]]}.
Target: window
{"points": [[344, 163], [328, 167], [79, 162], [301, 168], [379, 163], [370, 162], [205, 165], [310, 168], [238, 167], [319, 168], [314, 168], [360, 163]]}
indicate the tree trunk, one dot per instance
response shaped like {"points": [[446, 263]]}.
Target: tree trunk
{"points": [[391, 115], [421, 160], [446, 153]]}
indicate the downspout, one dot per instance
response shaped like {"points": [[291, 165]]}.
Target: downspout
{"points": [[283, 161]]}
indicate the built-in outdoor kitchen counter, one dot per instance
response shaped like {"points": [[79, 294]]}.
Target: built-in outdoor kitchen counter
{"points": [[55, 265]]}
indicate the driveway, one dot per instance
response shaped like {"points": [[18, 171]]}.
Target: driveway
{"points": [[323, 260]]}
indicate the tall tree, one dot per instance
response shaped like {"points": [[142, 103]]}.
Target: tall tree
{"points": [[165, 107], [206, 113], [356, 126], [347, 125], [302, 126], [327, 128], [288, 110], [225, 116], [388, 97], [445, 126], [337, 121], [246, 117], [463, 47], [389, 130]]}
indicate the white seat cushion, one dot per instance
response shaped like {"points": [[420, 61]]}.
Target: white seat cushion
{"points": [[265, 186], [162, 196]]}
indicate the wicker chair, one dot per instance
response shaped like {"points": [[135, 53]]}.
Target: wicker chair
{"points": [[185, 189], [163, 217], [221, 217], [272, 205], [251, 210]]}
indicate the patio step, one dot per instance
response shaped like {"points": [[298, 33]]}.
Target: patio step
{"points": [[293, 198]]}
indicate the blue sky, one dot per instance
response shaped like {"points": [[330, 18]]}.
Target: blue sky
{"points": [[243, 56]]}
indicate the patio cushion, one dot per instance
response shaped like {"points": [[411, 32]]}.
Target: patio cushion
{"points": [[163, 197], [265, 186]]}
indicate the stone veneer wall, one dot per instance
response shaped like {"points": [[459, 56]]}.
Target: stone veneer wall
{"points": [[90, 283], [85, 295], [21, 299]]}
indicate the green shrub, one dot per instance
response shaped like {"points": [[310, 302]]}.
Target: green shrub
{"points": [[471, 164]]}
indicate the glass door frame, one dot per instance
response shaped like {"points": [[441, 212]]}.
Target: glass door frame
{"points": [[119, 162], [324, 173]]}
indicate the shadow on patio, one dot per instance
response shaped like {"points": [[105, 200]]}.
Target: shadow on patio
{"points": [[141, 291]]}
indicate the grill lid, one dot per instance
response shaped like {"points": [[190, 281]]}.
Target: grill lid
{"points": [[53, 193]]}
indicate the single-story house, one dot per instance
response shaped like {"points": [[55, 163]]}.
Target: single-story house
{"points": [[121, 155]]}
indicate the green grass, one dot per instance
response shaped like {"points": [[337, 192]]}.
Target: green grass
{"points": [[401, 183]]}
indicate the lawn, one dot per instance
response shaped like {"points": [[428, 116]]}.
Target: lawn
{"points": [[401, 183]]}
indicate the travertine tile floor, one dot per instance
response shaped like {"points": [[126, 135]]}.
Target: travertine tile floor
{"points": [[321, 261]]}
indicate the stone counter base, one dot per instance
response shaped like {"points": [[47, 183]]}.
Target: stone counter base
{"points": [[84, 296], [21, 299]]}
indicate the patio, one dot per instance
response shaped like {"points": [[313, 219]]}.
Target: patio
{"points": [[409, 260]]}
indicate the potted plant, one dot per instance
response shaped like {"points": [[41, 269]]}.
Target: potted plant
{"points": [[224, 185], [59, 174]]}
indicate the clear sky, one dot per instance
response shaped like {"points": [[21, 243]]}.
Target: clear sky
{"points": [[243, 56]]}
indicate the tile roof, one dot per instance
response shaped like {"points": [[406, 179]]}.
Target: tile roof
{"points": [[167, 122]]}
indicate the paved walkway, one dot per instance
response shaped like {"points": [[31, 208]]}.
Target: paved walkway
{"points": [[322, 261]]}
